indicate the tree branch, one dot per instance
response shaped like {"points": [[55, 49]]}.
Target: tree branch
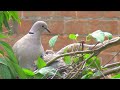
{"points": [[110, 71], [112, 65], [107, 44]]}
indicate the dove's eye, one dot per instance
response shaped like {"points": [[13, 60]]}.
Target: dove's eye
{"points": [[42, 26]]}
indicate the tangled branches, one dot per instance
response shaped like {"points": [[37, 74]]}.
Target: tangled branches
{"points": [[77, 69]]}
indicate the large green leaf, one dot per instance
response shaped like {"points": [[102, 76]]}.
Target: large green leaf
{"points": [[11, 67], [9, 51], [4, 72], [15, 69], [19, 71], [109, 35], [14, 15], [99, 36], [53, 40], [49, 71], [1, 21], [5, 22], [40, 63], [3, 61]]}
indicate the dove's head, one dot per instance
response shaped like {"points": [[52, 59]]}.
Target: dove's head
{"points": [[39, 27]]}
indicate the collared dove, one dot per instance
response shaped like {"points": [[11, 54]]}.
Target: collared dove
{"points": [[29, 47]]}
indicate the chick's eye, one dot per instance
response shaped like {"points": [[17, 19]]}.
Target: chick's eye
{"points": [[42, 26]]}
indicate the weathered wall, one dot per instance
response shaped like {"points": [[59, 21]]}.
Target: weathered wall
{"points": [[66, 22]]}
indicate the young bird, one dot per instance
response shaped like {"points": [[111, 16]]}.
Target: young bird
{"points": [[29, 47]]}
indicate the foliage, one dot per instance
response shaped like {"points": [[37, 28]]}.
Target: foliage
{"points": [[52, 41], [99, 36], [84, 66], [5, 17]]}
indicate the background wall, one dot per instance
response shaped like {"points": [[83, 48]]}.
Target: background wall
{"points": [[66, 22]]}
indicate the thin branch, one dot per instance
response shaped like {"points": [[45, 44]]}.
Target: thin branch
{"points": [[113, 57], [110, 71], [67, 54], [80, 69], [100, 70], [106, 44], [79, 65], [112, 65], [54, 74]]}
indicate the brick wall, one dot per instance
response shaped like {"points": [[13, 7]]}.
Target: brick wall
{"points": [[66, 22]]}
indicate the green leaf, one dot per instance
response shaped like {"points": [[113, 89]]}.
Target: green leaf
{"points": [[116, 76], [53, 40], [40, 63], [3, 36], [73, 36], [50, 71], [15, 17], [98, 35], [38, 76], [97, 73], [92, 61], [3, 61], [1, 21], [19, 71], [5, 22], [9, 51], [67, 60], [28, 72], [109, 35], [87, 76], [76, 59], [4, 72], [11, 67], [1, 52], [7, 15], [89, 37]]}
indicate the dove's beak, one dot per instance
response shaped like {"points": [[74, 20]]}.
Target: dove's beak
{"points": [[47, 30]]}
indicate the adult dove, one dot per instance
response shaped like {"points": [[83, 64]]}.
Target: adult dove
{"points": [[29, 47]]}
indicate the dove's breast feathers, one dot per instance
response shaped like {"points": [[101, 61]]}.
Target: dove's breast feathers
{"points": [[28, 49]]}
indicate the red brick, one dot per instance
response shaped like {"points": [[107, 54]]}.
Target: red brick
{"points": [[25, 26], [38, 13], [105, 57], [90, 14], [60, 43], [45, 41], [65, 13], [56, 27], [114, 49], [112, 14], [77, 26], [104, 25], [118, 27], [117, 58], [12, 39]]}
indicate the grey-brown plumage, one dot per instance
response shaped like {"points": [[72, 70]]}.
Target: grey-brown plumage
{"points": [[29, 47]]}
